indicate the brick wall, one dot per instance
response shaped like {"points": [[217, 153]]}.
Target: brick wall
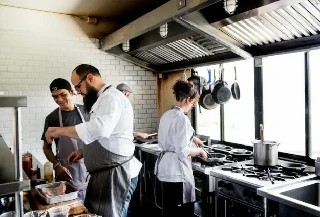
{"points": [[37, 47]]}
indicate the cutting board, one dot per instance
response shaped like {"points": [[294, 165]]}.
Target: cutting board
{"points": [[76, 207]]}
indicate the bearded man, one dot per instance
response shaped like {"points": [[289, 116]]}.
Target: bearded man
{"points": [[109, 149]]}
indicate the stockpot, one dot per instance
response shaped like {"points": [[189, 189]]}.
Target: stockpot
{"points": [[266, 153]]}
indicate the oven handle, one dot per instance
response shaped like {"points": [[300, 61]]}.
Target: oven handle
{"points": [[244, 203], [198, 189]]}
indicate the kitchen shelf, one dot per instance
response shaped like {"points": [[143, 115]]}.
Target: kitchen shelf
{"points": [[8, 183], [12, 179]]}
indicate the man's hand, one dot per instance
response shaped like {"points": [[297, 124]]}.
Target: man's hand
{"points": [[63, 173], [75, 156], [52, 132], [197, 141], [202, 154]]}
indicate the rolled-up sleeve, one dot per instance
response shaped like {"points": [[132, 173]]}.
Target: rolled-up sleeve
{"points": [[83, 133]]}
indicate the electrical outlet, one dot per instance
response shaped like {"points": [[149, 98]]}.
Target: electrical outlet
{"points": [[181, 4]]}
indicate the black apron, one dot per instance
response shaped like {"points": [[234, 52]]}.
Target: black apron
{"points": [[109, 182], [65, 146]]}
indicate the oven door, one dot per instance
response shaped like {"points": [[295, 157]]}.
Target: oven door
{"points": [[229, 207]]}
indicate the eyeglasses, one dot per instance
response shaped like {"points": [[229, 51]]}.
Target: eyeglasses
{"points": [[78, 86]]}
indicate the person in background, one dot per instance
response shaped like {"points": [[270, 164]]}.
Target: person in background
{"points": [[173, 167], [126, 90], [109, 149], [67, 114]]}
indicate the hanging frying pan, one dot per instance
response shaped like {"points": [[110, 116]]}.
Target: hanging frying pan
{"points": [[206, 100], [221, 93], [235, 89]]}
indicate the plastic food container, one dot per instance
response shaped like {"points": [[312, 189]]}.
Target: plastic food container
{"points": [[59, 211]]}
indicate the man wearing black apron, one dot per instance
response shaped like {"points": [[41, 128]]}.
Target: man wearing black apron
{"points": [[109, 149], [67, 114]]}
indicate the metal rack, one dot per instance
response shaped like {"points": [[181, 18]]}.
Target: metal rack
{"points": [[12, 179]]}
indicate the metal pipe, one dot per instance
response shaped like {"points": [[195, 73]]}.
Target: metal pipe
{"points": [[258, 95], [307, 104], [18, 160]]}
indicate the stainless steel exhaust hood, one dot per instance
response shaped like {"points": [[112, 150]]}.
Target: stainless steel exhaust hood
{"points": [[203, 33]]}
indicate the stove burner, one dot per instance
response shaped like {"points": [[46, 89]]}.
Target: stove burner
{"points": [[272, 173]]}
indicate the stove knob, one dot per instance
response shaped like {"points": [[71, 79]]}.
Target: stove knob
{"points": [[222, 184], [247, 194], [229, 186]]}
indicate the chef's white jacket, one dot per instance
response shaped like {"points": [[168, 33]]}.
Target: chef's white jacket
{"points": [[111, 123], [175, 134]]}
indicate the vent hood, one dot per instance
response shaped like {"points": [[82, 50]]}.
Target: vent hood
{"points": [[201, 32]]}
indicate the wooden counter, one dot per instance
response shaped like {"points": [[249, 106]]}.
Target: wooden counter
{"points": [[36, 203]]}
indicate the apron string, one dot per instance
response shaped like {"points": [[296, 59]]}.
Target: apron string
{"points": [[111, 167]]}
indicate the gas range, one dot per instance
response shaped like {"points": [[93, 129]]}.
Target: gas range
{"points": [[236, 187], [247, 174]]}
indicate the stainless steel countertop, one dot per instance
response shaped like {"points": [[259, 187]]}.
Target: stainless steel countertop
{"points": [[274, 193]]}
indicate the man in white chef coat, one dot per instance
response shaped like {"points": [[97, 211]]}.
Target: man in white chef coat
{"points": [[108, 135]]}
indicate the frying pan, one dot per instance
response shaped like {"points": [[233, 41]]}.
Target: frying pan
{"points": [[215, 158], [237, 152], [293, 167], [221, 93], [206, 100], [221, 148], [235, 89]]}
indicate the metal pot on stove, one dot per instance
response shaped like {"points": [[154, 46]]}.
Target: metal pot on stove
{"points": [[265, 153]]}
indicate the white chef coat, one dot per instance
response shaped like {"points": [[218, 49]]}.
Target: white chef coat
{"points": [[175, 134], [111, 123]]}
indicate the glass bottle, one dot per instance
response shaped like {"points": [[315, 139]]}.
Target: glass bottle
{"points": [[48, 171]]}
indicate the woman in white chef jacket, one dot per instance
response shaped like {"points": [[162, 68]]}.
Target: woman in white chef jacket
{"points": [[173, 167]]}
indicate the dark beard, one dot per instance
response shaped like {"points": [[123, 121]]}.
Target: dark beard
{"points": [[90, 98]]}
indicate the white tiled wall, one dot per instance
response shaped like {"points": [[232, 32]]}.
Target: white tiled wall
{"points": [[37, 47]]}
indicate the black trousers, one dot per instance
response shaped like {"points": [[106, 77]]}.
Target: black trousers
{"points": [[172, 200]]}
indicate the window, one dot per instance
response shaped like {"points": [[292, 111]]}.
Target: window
{"points": [[284, 101], [314, 78], [238, 114], [208, 121]]}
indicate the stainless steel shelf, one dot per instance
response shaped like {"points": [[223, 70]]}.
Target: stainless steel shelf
{"points": [[8, 183], [12, 178], [13, 101]]}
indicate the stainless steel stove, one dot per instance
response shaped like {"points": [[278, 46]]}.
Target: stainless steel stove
{"points": [[205, 183], [236, 188]]}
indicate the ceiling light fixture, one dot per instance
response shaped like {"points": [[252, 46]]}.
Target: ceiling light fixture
{"points": [[230, 6], [126, 46], [164, 30]]}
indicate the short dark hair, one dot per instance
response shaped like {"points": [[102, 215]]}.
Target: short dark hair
{"points": [[84, 69], [60, 83]]}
